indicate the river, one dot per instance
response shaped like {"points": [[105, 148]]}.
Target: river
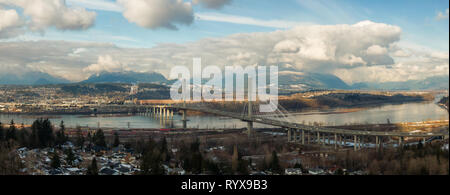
{"points": [[408, 112]]}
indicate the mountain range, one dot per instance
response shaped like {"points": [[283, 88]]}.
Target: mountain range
{"points": [[287, 80], [126, 77], [31, 78], [430, 83]]}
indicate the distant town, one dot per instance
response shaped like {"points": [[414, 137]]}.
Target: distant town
{"points": [[46, 148]]}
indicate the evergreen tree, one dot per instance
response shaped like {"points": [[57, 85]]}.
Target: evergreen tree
{"points": [[42, 133], [339, 171], [70, 156], [243, 167], [80, 138], [99, 139], [2, 132], [298, 166], [275, 164], [116, 140], [92, 169], [151, 163], [22, 138], [34, 139], [165, 155], [61, 135], [195, 146], [56, 162], [89, 139], [196, 162], [11, 133]]}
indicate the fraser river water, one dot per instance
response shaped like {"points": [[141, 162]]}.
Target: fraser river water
{"points": [[409, 112]]}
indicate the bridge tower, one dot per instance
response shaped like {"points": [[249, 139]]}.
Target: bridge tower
{"points": [[184, 112], [250, 109]]}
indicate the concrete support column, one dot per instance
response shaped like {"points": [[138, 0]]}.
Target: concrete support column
{"points": [[335, 141], [377, 143], [289, 135], [164, 113], [355, 141], [318, 138], [184, 119], [250, 106], [324, 141], [295, 135], [309, 137], [303, 137], [249, 128], [329, 139], [361, 142]]}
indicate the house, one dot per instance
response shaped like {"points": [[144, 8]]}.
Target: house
{"points": [[316, 171], [293, 171]]}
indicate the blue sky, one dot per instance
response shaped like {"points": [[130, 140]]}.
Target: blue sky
{"points": [[356, 40], [417, 18]]}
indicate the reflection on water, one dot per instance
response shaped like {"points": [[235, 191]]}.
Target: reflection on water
{"points": [[411, 112]]}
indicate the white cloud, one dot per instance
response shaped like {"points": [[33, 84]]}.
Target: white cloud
{"points": [[440, 55], [376, 50], [442, 16], [352, 60], [401, 53], [54, 13], [212, 4], [10, 23], [217, 17], [339, 49], [96, 5], [105, 64], [154, 14]]}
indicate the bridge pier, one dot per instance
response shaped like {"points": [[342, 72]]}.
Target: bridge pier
{"points": [[360, 144], [249, 128], [355, 141], [329, 139], [309, 137], [303, 137], [184, 112], [324, 141], [376, 143], [164, 111], [318, 138], [289, 135], [335, 141], [295, 135]]}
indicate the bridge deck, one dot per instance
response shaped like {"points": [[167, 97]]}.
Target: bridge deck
{"points": [[306, 127]]}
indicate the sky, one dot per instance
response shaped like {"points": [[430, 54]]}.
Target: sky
{"points": [[356, 40]]}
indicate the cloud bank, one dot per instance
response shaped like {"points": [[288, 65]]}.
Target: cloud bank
{"points": [[365, 51], [43, 14], [10, 23], [155, 14]]}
